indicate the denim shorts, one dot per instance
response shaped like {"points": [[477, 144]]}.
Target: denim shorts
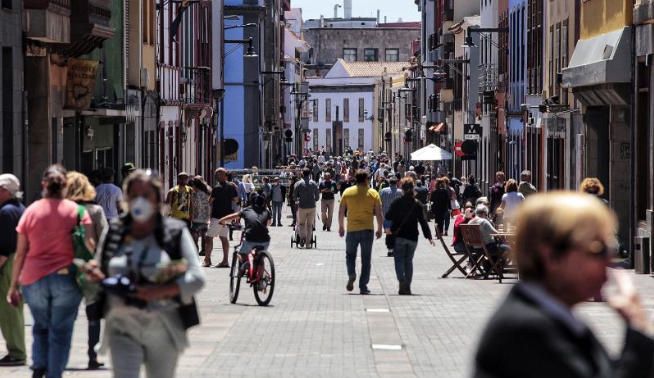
{"points": [[247, 246]]}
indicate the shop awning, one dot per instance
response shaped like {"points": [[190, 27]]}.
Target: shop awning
{"points": [[599, 67], [431, 153]]}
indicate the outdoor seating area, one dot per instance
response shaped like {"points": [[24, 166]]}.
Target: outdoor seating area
{"points": [[477, 261]]}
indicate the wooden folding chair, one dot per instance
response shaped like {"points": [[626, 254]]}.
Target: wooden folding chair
{"points": [[456, 264], [474, 242]]}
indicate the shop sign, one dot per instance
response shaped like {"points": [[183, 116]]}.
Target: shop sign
{"points": [[80, 83]]}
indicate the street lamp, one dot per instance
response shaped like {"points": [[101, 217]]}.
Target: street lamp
{"points": [[300, 99]]}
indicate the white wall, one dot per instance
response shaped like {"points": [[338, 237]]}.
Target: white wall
{"points": [[353, 125]]}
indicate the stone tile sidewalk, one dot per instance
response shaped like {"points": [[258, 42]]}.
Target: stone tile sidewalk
{"points": [[314, 327]]}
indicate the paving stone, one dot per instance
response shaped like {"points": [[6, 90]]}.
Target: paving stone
{"points": [[315, 328]]}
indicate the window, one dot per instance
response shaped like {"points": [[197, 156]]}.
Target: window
{"points": [[346, 138], [346, 110], [361, 136], [315, 110], [6, 4], [328, 140], [315, 139], [370, 55], [148, 22], [350, 55], [392, 55], [328, 110], [361, 110]]}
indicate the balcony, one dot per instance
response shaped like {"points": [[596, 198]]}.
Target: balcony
{"points": [[48, 21], [90, 26], [184, 85]]}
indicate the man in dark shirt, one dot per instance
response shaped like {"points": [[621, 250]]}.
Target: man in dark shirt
{"points": [[327, 189], [223, 199], [422, 193], [12, 323], [497, 191]]}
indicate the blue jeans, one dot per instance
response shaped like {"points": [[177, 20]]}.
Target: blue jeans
{"points": [[352, 242], [277, 212], [53, 301], [403, 254]]}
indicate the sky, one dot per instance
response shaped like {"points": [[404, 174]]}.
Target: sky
{"points": [[393, 9]]}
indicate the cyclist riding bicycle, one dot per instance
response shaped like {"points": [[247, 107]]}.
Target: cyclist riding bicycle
{"points": [[257, 218]]}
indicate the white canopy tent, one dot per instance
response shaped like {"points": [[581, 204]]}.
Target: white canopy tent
{"points": [[431, 153]]}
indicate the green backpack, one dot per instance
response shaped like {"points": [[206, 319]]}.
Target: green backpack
{"points": [[81, 252]]}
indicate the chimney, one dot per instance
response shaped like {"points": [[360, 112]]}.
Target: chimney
{"points": [[322, 21], [347, 9], [378, 16], [385, 19]]}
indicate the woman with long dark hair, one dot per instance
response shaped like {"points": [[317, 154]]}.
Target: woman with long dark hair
{"points": [[440, 205], [404, 216]]}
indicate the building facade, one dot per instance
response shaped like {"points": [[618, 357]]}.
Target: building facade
{"points": [[373, 42], [12, 100], [345, 107]]}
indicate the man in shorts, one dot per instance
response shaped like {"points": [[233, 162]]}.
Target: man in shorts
{"points": [[223, 197]]}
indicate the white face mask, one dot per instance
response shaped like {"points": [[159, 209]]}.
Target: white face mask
{"points": [[141, 209]]}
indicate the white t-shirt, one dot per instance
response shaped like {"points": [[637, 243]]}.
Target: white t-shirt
{"points": [[511, 202]]}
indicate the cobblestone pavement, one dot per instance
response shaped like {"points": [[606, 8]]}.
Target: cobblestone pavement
{"points": [[314, 327]]}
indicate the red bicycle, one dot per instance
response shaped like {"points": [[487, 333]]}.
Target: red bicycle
{"points": [[259, 271]]}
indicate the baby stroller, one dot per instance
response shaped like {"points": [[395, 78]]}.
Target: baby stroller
{"points": [[295, 238]]}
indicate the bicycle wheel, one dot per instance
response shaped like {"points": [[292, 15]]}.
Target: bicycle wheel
{"points": [[265, 286], [234, 279]]}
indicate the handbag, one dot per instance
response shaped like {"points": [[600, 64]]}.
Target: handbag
{"points": [[81, 252]]}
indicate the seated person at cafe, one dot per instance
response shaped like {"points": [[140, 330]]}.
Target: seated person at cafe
{"points": [[487, 230], [464, 218]]}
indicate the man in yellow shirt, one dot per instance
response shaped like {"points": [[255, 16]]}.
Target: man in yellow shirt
{"points": [[179, 199], [362, 204]]}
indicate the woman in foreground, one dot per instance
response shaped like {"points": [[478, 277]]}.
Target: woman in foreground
{"points": [[563, 246]]}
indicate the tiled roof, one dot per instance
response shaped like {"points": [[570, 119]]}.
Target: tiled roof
{"points": [[372, 69]]}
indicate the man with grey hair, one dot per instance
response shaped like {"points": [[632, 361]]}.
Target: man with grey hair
{"points": [[487, 230], [12, 322], [525, 187]]}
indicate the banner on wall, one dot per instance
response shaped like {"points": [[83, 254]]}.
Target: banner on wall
{"points": [[80, 83]]}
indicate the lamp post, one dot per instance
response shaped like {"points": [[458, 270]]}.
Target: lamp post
{"points": [[301, 94]]}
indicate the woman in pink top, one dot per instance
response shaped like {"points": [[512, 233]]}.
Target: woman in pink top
{"points": [[44, 255]]}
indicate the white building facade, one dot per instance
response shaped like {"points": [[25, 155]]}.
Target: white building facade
{"points": [[337, 103]]}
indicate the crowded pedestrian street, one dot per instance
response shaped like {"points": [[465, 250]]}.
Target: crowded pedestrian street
{"points": [[345, 188], [314, 327]]}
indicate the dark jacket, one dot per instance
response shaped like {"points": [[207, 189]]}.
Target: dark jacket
{"points": [[405, 213], [523, 340], [471, 193], [440, 201]]}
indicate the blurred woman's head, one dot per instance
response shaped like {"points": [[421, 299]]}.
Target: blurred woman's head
{"points": [[592, 185], [142, 191], [511, 186], [565, 240], [79, 189], [53, 181], [407, 184]]}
